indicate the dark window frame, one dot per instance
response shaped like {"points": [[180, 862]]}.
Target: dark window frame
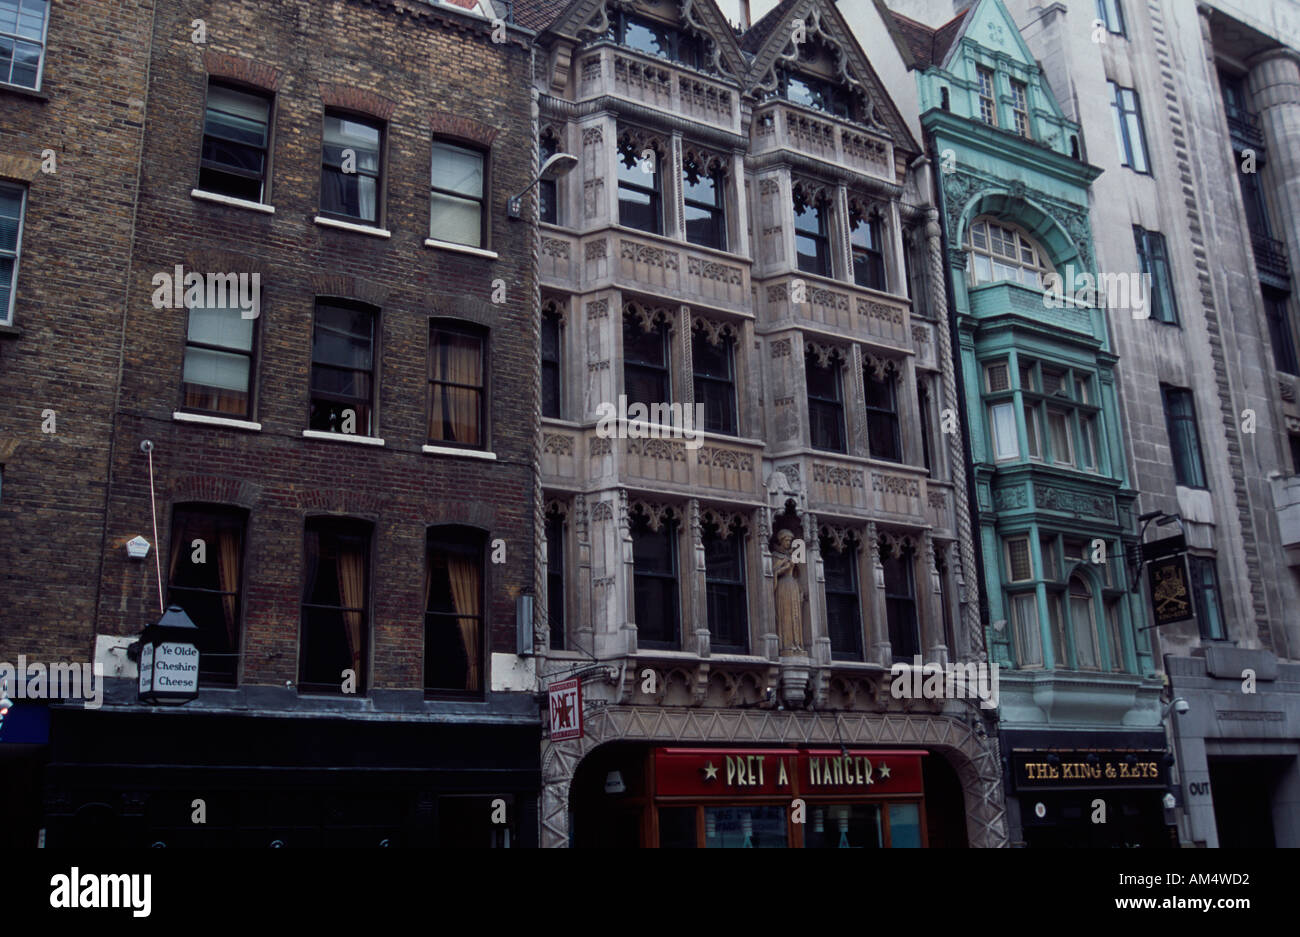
{"points": [[379, 175], [1121, 111], [827, 96], [660, 373], [208, 167], [14, 255], [846, 560], [670, 626], [704, 383], [556, 532], [552, 365], [472, 543], [1187, 473], [654, 193], [252, 354], [684, 49], [869, 269], [886, 412], [332, 397], [1201, 584], [1153, 260], [482, 200], [183, 552], [1277, 314], [716, 213], [821, 263], [818, 403], [1104, 9], [548, 204], [724, 592], [902, 615], [341, 528]]}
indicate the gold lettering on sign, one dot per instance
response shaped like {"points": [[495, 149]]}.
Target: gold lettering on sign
{"points": [[814, 771], [781, 779], [731, 772], [760, 770]]}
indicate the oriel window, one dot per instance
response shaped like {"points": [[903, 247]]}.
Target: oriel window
{"points": [[868, 250], [640, 199], [645, 363], [825, 402], [884, 438], [724, 574], [843, 606], [704, 195], [812, 233], [655, 571], [713, 358]]}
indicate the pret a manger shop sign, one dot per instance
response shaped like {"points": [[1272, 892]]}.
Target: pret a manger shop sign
{"points": [[760, 772]]}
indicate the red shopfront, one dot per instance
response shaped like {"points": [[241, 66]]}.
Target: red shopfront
{"points": [[755, 798]]}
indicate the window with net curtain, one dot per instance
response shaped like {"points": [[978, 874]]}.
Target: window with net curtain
{"points": [[218, 367], [351, 167], [999, 251], [335, 604], [204, 577], [235, 136], [454, 611], [456, 194], [456, 385]]}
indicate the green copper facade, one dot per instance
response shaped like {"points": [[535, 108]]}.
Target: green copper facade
{"points": [[1054, 501]]}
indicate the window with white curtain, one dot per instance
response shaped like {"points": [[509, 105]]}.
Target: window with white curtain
{"points": [[456, 195]]}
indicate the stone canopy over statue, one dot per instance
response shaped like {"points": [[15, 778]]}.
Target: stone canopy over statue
{"points": [[789, 595]]}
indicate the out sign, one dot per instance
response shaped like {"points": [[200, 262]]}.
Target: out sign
{"points": [[565, 704]]}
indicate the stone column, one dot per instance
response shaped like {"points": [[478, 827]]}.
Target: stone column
{"points": [[1274, 81], [932, 637], [695, 603], [873, 601]]}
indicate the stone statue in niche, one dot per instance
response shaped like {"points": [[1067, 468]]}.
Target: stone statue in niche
{"points": [[789, 596]]}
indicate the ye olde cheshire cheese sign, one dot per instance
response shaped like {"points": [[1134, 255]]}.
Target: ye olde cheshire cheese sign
{"points": [[719, 772]]}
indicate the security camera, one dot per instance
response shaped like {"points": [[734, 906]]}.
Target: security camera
{"points": [[1181, 706]]}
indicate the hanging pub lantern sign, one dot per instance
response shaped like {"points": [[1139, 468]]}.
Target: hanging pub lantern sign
{"points": [[1171, 594], [169, 659]]}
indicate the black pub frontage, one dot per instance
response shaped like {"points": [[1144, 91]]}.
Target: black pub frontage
{"points": [[140, 776], [1089, 789]]}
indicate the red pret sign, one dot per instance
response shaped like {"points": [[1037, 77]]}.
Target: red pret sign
{"points": [[762, 772], [566, 709]]}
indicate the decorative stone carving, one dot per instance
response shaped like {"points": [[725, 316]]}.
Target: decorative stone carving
{"points": [[1073, 502], [595, 250], [599, 445], [664, 449], [788, 606], [557, 443], [648, 254], [710, 270], [838, 475], [554, 247], [895, 485], [724, 458], [1009, 499], [597, 309], [602, 510], [781, 348]]}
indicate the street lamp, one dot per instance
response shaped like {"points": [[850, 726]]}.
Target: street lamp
{"points": [[559, 164]]}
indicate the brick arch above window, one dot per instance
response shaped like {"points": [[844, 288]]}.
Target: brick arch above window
{"points": [[342, 502], [213, 489], [19, 168], [217, 260], [478, 515], [247, 71], [464, 309], [463, 128], [359, 100], [348, 287]]}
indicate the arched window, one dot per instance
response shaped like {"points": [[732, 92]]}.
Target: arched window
{"points": [[999, 251], [1083, 625]]}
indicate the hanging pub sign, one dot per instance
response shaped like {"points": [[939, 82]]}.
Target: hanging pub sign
{"points": [[565, 698], [169, 659], [1171, 595]]}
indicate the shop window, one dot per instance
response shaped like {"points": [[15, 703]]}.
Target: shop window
{"points": [[205, 578], [655, 572], [845, 826], [457, 388], [335, 604], [453, 619], [753, 827]]}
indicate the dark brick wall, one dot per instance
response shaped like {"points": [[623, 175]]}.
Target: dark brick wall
{"points": [[63, 351], [417, 62]]}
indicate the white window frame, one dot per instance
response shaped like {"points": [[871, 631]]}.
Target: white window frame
{"points": [[1004, 449], [8, 313], [40, 64], [1029, 553], [1038, 264]]}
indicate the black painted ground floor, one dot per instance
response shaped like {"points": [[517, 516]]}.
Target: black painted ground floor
{"points": [[184, 779]]}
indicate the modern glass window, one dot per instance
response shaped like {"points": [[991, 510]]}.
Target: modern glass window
{"points": [[235, 134], [1126, 111], [1020, 108], [646, 377], [640, 199], [22, 41], [1204, 575], [987, 96], [1002, 422], [1111, 12], [217, 374], [825, 404], [343, 369], [817, 93], [335, 604], [713, 356], [865, 239], [654, 566], [551, 371], [1184, 437], [999, 251], [843, 606], [812, 234], [704, 194], [456, 195], [1027, 631], [453, 617], [350, 167], [1277, 312], [655, 38], [457, 390], [1153, 260], [884, 438], [205, 578], [13, 201], [900, 606], [1083, 625], [555, 596], [547, 191], [724, 576]]}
